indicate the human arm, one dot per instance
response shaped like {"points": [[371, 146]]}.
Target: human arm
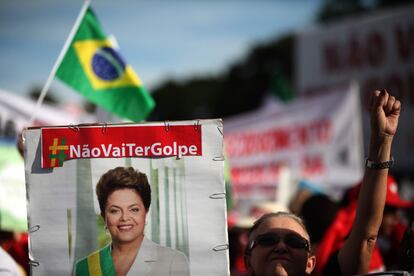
{"points": [[355, 256]]}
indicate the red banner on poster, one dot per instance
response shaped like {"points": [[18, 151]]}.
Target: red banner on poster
{"points": [[60, 144]]}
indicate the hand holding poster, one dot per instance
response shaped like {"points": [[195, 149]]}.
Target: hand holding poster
{"points": [[143, 190]]}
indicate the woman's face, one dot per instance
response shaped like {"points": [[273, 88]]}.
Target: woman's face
{"points": [[280, 259], [125, 216]]}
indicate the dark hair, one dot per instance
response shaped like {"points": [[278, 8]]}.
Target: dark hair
{"points": [[123, 178], [318, 211]]}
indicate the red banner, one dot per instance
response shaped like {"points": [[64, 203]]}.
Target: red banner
{"points": [[64, 143]]}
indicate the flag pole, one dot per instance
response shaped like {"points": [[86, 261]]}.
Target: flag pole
{"points": [[59, 60]]}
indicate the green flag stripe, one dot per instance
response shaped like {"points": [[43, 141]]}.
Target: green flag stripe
{"points": [[107, 266], [126, 98], [84, 32], [99, 263], [82, 268]]}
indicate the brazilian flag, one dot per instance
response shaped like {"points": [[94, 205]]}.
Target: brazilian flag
{"points": [[96, 70]]}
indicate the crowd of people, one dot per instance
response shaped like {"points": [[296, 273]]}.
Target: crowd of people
{"points": [[366, 232]]}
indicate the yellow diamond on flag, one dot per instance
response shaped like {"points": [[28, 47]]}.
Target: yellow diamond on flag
{"points": [[103, 65], [93, 68]]}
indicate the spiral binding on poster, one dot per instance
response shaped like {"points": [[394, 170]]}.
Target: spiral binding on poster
{"points": [[34, 228], [220, 247], [219, 158], [218, 196], [167, 125], [33, 263], [104, 128], [197, 125], [74, 127]]}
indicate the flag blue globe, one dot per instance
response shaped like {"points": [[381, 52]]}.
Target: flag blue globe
{"points": [[107, 64]]}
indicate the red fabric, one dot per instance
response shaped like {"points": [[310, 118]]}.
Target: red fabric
{"points": [[334, 239], [231, 219], [391, 257], [240, 266], [392, 199], [377, 263], [19, 251], [334, 236]]}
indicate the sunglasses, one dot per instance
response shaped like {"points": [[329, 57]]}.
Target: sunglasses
{"points": [[271, 239]]}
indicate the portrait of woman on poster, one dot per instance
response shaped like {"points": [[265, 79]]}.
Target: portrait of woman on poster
{"points": [[124, 196]]}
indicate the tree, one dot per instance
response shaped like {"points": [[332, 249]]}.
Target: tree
{"points": [[240, 89]]}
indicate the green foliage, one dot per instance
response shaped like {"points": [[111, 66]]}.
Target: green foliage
{"points": [[103, 235], [333, 10], [337, 9]]}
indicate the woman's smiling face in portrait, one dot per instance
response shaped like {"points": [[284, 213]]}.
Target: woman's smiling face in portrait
{"points": [[125, 216]]}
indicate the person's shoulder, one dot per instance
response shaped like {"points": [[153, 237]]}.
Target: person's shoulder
{"points": [[94, 253], [167, 251], [7, 264], [82, 264], [165, 260]]}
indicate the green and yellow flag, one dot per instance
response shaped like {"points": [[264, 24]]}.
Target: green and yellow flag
{"points": [[95, 69], [99, 263]]}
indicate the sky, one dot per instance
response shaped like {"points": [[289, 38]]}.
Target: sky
{"points": [[160, 39]]}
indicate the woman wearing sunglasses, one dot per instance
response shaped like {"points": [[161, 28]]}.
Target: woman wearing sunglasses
{"points": [[279, 243]]}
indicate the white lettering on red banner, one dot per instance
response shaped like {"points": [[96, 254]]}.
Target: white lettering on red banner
{"points": [[247, 143], [61, 144], [317, 139]]}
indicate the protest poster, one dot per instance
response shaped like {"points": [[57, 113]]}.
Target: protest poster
{"points": [[183, 162], [376, 50], [318, 139]]}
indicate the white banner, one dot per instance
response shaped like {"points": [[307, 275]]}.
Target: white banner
{"points": [[318, 139], [185, 227], [16, 110], [375, 50]]}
